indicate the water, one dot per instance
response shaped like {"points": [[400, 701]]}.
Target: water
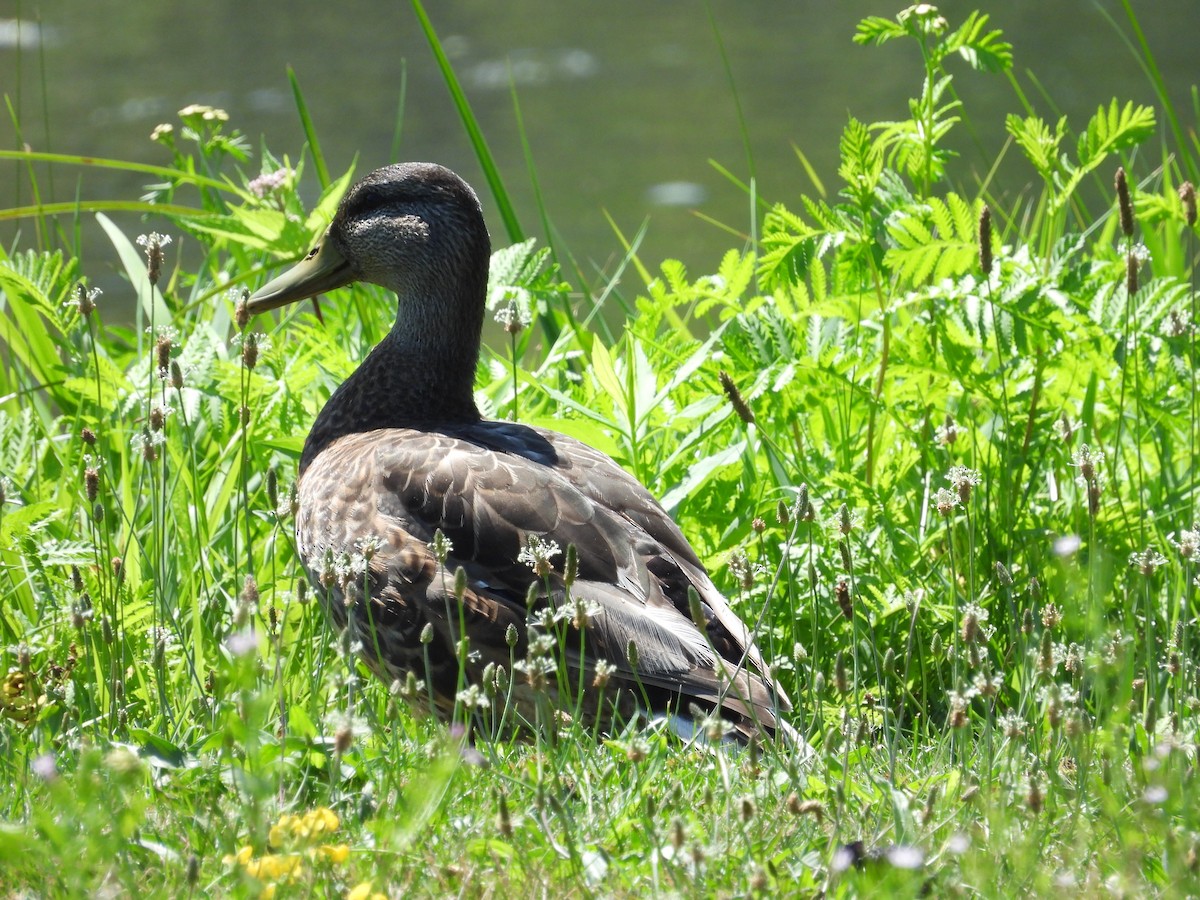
{"points": [[623, 105]]}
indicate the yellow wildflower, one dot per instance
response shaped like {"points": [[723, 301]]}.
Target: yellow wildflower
{"points": [[274, 866], [267, 892], [293, 829], [363, 892], [322, 819], [281, 831], [335, 853], [241, 858]]}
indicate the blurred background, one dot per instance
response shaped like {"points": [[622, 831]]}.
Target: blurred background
{"points": [[624, 103]]}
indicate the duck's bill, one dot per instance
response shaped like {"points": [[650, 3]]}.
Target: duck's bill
{"points": [[322, 270]]}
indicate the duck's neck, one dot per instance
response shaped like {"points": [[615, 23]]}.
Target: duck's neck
{"points": [[421, 375]]}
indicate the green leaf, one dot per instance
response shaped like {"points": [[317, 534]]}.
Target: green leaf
{"points": [[1116, 128], [159, 748], [701, 472], [23, 330], [984, 52], [862, 161], [478, 143], [1038, 142], [877, 30], [935, 241], [606, 376], [1108, 131], [150, 298]]}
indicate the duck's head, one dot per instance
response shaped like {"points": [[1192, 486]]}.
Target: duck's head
{"points": [[415, 228]]}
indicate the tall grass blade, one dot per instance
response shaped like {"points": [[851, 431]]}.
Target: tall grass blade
{"points": [[310, 131], [478, 143]]}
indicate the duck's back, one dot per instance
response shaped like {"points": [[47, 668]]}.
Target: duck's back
{"points": [[371, 503]]}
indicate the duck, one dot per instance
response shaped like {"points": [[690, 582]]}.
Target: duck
{"points": [[463, 552]]}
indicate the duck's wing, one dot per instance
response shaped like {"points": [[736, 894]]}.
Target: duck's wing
{"points": [[489, 487]]}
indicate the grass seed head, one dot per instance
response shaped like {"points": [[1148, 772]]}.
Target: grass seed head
{"points": [[985, 240], [1065, 428], [1131, 274], [343, 739], [1034, 798], [193, 870], [249, 594], [1046, 663], [571, 566], [241, 312], [747, 808], [1187, 195], [804, 507], [963, 479], [1148, 561], [158, 417], [153, 243], [841, 679], [162, 355], [1124, 204], [603, 673], [741, 569], [1176, 324], [844, 521], [250, 350], [945, 500], [947, 433], [970, 624], [503, 816], [91, 483], [735, 397], [85, 300], [678, 834], [841, 593], [959, 703]]}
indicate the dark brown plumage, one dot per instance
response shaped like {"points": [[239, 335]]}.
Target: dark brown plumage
{"points": [[400, 451]]}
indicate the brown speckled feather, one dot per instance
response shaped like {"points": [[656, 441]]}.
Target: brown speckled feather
{"points": [[400, 452]]}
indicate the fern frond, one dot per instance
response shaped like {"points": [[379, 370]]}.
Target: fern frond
{"points": [[1114, 129], [983, 51], [1039, 144], [934, 241], [1108, 131], [789, 244], [877, 30]]}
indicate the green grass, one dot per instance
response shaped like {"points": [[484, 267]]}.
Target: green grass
{"points": [[961, 503]]}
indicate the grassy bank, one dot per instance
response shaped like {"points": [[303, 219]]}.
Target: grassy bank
{"points": [[938, 440]]}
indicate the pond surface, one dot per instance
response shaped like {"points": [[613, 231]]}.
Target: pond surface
{"points": [[624, 103]]}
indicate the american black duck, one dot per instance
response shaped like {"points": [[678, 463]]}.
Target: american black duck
{"points": [[400, 451]]}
